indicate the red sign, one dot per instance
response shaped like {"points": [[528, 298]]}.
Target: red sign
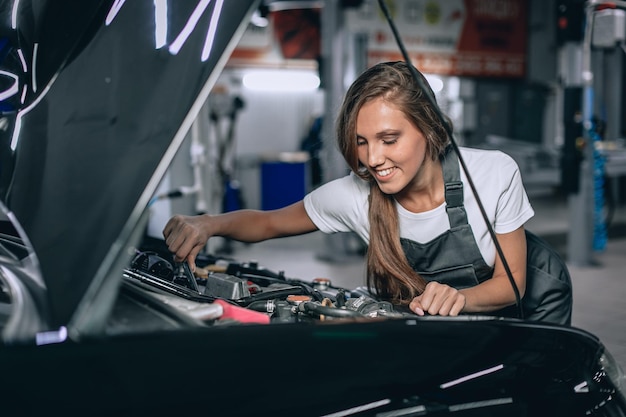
{"points": [[480, 38]]}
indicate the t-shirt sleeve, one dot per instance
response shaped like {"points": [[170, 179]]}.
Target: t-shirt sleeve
{"points": [[339, 205], [513, 209]]}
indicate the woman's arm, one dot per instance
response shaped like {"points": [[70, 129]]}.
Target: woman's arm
{"points": [[490, 295], [185, 236]]}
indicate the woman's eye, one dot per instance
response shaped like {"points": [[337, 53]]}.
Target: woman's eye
{"points": [[390, 141]]}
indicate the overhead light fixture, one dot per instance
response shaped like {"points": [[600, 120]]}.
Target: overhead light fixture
{"points": [[281, 80], [259, 17], [436, 83]]}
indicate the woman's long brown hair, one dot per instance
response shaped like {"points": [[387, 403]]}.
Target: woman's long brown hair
{"points": [[388, 271]]}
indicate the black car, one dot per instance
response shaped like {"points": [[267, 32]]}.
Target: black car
{"points": [[97, 97]]}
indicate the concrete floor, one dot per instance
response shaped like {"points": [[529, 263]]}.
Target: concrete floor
{"points": [[599, 287]]}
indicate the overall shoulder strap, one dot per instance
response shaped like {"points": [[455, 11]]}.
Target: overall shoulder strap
{"points": [[454, 188]]}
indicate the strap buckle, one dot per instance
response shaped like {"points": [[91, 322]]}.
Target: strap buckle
{"points": [[454, 194]]}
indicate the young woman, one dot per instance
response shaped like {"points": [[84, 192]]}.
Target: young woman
{"points": [[407, 198]]}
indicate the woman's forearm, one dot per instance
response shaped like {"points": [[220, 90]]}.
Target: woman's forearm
{"points": [[256, 225], [243, 225]]}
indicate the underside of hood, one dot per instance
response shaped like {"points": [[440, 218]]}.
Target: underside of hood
{"points": [[101, 94]]}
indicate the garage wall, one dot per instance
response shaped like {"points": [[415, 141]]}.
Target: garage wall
{"points": [[269, 123]]}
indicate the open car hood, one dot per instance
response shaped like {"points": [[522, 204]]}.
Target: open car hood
{"points": [[94, 108]]}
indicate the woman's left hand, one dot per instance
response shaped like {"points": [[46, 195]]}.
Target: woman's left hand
{"points": [[438, 299]]}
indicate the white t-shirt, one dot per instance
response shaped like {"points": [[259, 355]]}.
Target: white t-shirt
{"points": [[341, 205]]}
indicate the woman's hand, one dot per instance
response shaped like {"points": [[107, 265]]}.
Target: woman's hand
{"points": [[186, 236], [438, 299]]}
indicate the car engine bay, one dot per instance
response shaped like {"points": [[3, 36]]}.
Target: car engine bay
{"points": [[225, 291]]}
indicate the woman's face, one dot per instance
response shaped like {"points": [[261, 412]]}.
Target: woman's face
{"points": [[391, 148]]}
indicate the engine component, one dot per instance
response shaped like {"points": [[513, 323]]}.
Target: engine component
{"points": [[370, 307], [153, 264], [321, 284], [261, 292], [226, 286]]}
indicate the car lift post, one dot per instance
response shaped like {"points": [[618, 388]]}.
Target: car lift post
{"points": [[581, 203]]}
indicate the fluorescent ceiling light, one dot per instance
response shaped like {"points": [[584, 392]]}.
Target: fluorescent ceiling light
{"points": [[281, 80]]}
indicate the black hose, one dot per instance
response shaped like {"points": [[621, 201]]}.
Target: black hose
{"points": [[306, 288], [327, 311], [269, 295], [260, 305]]}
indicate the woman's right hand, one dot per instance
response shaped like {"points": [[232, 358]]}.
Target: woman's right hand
{"points": [[186, 236], [438, 299]]}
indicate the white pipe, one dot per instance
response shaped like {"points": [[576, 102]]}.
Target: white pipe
{"points": [[198, 160]]}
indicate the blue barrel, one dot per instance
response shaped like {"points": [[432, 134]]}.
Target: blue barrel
{"points": [[284, 179]]}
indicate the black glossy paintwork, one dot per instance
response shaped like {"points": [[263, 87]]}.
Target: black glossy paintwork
{"points": [[312, 369]]}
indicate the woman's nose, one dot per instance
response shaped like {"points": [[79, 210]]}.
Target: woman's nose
{"points": [[375, 155]]}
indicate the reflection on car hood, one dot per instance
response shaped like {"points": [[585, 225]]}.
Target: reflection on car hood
{"points": [[96, 98]]}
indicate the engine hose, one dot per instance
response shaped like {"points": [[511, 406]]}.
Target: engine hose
{"points": [[263, 280], [270, 295], [265, 306], [327, 311]]}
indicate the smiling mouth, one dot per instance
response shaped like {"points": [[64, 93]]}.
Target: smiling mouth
{"points": [[384, 172]]}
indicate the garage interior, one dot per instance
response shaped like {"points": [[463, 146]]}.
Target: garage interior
{"points": [[258, 138]]}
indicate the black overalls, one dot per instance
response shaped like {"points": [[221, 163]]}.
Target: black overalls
{"points": [[453, 258]]}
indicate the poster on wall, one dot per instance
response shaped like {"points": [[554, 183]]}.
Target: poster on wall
{"points": [[291, 38], [473, 38]]}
